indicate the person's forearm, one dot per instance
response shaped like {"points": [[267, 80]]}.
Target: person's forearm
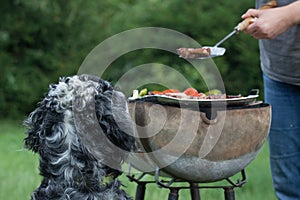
{"points": [[293, 11], [270, 23]]}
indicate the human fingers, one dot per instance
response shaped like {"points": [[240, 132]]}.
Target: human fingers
{"points": [[252, 28], [251, 13], [260, 31]]}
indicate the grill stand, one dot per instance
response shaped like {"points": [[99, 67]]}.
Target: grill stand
{"points": [[174, 190]]}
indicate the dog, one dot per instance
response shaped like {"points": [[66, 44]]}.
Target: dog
{"points": [[82, 132]]}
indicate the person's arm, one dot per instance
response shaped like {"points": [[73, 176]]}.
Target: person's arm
{"points": [[270, 23]]}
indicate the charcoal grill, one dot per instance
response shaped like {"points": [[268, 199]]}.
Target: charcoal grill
{"points": [[196, 142]]}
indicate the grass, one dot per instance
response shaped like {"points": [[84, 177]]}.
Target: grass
{"points": [[18, 168], [19, 173]]}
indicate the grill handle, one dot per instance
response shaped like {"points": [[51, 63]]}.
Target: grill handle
{"points": [[206, 120]]}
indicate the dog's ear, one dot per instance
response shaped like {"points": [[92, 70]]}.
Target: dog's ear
{"points": [[34, 123], [40, 124], [124, 129], [114, 119]]}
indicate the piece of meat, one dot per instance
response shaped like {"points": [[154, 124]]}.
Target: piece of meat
{"points": [[192, 53], [216, 96], [164, 92]]}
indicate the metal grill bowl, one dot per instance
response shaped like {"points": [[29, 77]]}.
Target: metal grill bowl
{"points": [[187, 144]]}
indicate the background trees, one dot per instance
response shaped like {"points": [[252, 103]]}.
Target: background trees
{"points": [[43, 40]]}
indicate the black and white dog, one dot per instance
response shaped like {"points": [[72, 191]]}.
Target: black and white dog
{"points": [[82, 132]]}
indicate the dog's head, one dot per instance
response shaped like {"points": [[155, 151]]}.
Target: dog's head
{"points": [[86, 110]]}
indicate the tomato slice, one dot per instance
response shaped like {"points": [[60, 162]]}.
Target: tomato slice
{"points": [[191, 92]]}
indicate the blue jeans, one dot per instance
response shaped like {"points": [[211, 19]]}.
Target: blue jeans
{"points": [[284, 137]]}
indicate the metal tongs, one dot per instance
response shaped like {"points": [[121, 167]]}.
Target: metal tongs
{"points": [[209, 52]]}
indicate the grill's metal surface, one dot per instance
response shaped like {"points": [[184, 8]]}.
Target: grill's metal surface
{"points": [[229, 141]]}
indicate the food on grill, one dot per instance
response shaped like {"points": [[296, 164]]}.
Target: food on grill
{"points": [[213, 92], [215, 96], [189, 93], [143, 92], [164, 91], [194, 52]]}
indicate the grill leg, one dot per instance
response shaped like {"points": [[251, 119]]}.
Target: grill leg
{"points": [[173, 195], [229, 193], [140, 191], [195, 193]]}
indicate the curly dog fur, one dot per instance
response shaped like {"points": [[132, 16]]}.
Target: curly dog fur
{"points": [[82, 132]]}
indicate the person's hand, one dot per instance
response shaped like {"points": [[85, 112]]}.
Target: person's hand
{"points": [[268, 24]]}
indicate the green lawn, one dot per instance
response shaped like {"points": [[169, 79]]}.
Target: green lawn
{"points": [[19, 173]]}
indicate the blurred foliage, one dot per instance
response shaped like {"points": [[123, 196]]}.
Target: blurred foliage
{"points": [[41, 40]]}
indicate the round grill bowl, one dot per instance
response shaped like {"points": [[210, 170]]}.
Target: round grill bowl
{"points": [[197, 145]]}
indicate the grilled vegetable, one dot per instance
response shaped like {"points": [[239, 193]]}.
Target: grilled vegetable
{"points": [[213, 92], [191, 92], [143, 92]]}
